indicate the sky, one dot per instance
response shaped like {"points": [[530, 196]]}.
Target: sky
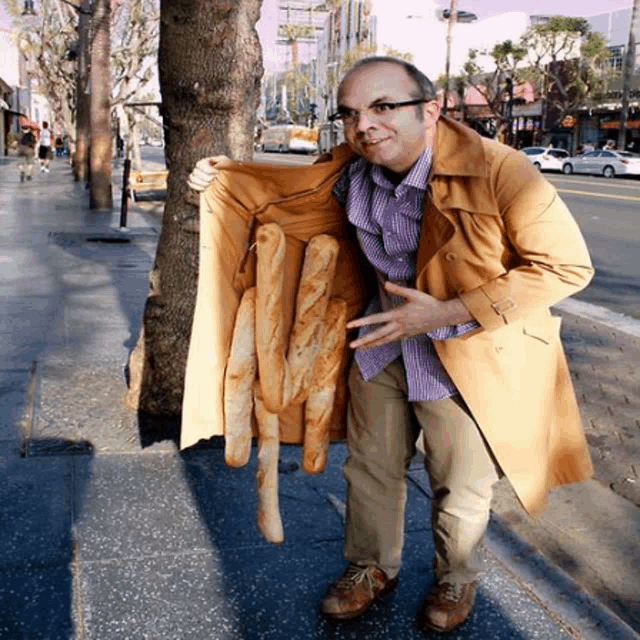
{"points": [[267, 26]]}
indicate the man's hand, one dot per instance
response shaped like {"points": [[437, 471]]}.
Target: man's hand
{"points": [[205, 172], [421, 313]]}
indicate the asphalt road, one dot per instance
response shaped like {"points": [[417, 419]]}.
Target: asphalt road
{"points": [[607, 210]]}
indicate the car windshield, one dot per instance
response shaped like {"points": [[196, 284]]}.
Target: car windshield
{"points": [[532, 151]]}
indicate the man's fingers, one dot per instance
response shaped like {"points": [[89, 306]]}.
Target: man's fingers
{"points": [[375, 318], [381, 334], [392, 337], [398, 290]]}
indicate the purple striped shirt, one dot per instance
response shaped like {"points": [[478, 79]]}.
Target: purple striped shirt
{"points": [[387, 220]]}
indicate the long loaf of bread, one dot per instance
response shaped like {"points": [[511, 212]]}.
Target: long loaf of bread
{"points": [[268, 514], [314, 292], [270, 339], [238, 383], [320, 401]]}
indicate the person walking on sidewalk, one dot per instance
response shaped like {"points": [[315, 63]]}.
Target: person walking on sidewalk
{"points": [[44, 152], [457, 353], [26, 151]]}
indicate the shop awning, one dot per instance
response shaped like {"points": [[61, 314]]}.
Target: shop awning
{"points": [[25, 122]]}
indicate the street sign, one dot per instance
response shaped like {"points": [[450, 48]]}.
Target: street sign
{"points": [[568, 122]]}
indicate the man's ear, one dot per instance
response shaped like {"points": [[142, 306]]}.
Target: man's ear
{"points": [[431, 111]]}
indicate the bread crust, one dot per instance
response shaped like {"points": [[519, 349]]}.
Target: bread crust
{"points": [[314, 292], [273, 370], [239, 379], [320, 401], [268, 513]]}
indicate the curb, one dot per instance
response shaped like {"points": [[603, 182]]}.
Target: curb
{"points": [[552, 587]]}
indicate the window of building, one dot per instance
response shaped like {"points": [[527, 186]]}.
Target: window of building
{"points": [[616, 61]]}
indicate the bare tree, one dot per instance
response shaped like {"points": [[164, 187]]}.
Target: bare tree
{"points": [[210, 65], [51, 42]]}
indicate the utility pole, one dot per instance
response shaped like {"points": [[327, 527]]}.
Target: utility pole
{"points": [[452, 18], [100, 154], [81, 160], [626, 82]]}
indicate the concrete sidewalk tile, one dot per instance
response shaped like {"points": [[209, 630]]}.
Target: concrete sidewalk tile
{"points": [[14, 399], [35, 511], [36, 603], [163, 597], [136, 506], [79, 401]]}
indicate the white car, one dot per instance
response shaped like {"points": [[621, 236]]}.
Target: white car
{"points": [[605, 162], [546, 159]]}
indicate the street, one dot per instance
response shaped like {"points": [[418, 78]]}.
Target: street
{"points": [[608, 212]]}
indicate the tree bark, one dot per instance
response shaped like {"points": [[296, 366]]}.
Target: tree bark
{"points": [[81, 155], [210, 64], [100, 195]]}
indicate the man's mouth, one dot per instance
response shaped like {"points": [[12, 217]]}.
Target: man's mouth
{"points": [[373, 143]]}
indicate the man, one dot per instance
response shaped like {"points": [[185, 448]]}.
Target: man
{"points": [[44, 152], [26, 151], [458, 351]]}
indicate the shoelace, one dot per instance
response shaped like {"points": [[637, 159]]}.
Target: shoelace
{"points": [[354, 575], [452, 592]]}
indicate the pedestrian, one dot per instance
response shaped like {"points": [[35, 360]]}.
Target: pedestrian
{"points": [[26, 151], [44, 152], [59, 147], [610, 146], [457, 353]]}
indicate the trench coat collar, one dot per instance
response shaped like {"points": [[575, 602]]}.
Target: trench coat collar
{"points": [[458, 151]]}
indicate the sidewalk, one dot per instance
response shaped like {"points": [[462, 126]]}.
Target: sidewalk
{"points": [[102, 539]]}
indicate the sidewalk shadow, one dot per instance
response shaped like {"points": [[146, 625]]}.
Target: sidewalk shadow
{"points": [[38, 498], [274, 591]]}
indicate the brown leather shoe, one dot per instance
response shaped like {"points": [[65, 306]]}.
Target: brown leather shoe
{"points": [[356, 591], [447, 606]]}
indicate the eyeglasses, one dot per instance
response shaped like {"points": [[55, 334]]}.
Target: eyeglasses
{"points": [[379, 110]]}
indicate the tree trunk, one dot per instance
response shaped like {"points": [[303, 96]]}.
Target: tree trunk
{"points": [[210, 65], [81, 156], [100, 195]]}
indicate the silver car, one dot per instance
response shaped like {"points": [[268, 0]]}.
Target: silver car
{"points": [[605, 163]]}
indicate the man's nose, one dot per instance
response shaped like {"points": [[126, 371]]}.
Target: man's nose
{"points": [[364, 121]]}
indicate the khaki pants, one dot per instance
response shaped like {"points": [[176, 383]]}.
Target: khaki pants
{"points": [[381, 437]]}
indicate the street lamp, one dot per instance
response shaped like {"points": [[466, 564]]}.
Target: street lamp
{"points": [[508, 112], [452, 15], [29, 9]]}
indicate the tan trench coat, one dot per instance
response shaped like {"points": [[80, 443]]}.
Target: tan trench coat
{"points": [[495, 233]]}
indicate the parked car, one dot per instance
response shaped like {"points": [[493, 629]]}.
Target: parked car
{"points": [[287, 138], [605, 163], [546, 159]]}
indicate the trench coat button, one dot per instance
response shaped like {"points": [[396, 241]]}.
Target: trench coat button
{"points": [[449, 257]]}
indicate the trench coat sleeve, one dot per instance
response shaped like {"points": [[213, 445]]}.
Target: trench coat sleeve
{"points": [[553, 260]]}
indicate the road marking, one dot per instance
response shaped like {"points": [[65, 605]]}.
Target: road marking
{"points": [[599, 195], [619, 183], [604, 316]]}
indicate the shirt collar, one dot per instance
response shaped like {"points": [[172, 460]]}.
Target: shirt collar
{"points": [[416, 178]]}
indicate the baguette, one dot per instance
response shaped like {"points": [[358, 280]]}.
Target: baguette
{"points": [[268, 512], [314, 291], [320, 401], [238, 383], [270, 339]]}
